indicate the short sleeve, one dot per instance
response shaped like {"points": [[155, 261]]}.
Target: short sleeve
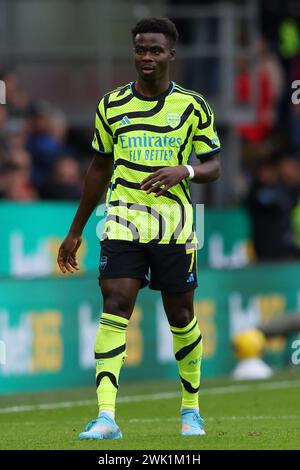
{"points": [[103, 136], [205, 140]]}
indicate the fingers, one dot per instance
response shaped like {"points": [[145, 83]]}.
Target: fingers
{"points": [[61, 261], [69, 267], [155, 188], [148, 182], [150, 177], [61, 265], [161, 187], [74, 263], [67, 262], [159, 182], [154, 183], [163, 190]]}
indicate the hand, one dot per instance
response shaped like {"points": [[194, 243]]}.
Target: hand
{"points": [[161, 180], [66, 258]]}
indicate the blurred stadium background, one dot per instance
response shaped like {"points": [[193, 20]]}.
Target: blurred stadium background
{"points": [[56, 59]]}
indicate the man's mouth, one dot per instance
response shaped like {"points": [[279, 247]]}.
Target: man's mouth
{"points": [[147, 68]]}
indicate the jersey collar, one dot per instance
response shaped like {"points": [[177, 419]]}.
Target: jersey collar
{"points": [[152, 98]]}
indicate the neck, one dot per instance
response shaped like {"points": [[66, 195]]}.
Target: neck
{"points": [[152, 88]]}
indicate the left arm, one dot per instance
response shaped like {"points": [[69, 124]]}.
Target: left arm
{"points": [[161, 180], [207, 171]]}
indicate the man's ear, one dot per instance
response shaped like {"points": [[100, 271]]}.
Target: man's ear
{"points": [[172, 55]]}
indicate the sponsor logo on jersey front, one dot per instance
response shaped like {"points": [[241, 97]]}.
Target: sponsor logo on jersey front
{"points": [[150, 147]]}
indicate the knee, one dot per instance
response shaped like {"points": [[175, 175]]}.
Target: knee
{"points": [[117, 303], [181, 317]]}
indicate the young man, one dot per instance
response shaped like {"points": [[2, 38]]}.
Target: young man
{"points": [[148, 128]]}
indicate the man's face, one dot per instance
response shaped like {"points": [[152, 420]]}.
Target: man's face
{"points": [[152, 55]]}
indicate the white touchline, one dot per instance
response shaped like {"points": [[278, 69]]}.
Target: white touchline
{"points": [[214, 418], [209, 418], [156, 396]]}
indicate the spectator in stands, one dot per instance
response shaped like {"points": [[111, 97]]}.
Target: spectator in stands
{"points": [[259, 86], [43, 144], [16, 134], [32, 139], [289, 169], [269, 81], [17, 100], [3, 120], [6, 170], [65, 181], [271, 200], [58, 128], [15, 184]]}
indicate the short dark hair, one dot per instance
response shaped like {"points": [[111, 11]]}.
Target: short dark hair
{"points": [[157, 25]]}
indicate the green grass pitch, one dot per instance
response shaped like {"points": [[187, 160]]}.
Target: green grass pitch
{"points": [[238, 415]]}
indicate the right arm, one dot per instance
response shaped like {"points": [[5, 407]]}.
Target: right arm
{"points": [[96, 180]]}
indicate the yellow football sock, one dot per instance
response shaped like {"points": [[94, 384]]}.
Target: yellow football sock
{"points": [[187, 347], [110, 347]]}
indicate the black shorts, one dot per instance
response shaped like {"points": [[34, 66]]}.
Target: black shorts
{"points": [[170, 268]]}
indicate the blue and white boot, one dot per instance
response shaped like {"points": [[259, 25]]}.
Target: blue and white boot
{"points": [[103, 427], [191, 422]]}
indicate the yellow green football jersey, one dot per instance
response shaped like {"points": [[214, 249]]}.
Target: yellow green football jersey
{"points": [[145, 134]]}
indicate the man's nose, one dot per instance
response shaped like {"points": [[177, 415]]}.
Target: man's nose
{"points": [[147, 55]]}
